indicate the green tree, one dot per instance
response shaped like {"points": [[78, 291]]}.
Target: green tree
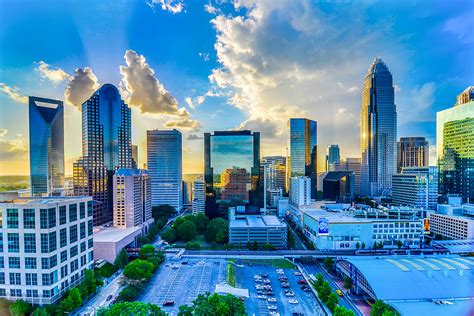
{"points": [[342, 311], [357, 246], [291, 238], [129, 293], [201, 221], [192, 245], [187, 231], [220, 305], [40, 311], [121, 260], [328, 263], [217, 230], [89, 281], [132, 308], [162, 212], [177, 222], [185, 310], [169, 235], [19, 308], [399, 244], [146, 252], [347, 282], [255, 245], [324, 290], [378, 308], [332, 301], [381, 245], [138, 270], [75, 297], [319, 280], [213, 246], [363, 245]]}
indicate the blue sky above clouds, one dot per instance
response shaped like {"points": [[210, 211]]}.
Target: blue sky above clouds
{"points": [[203, 66]]}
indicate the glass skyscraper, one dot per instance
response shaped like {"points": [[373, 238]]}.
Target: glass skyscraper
{"points": [[106, 146], [164, 163], [232, 171], [46, 145], [378, 131], [302, 147], [455, 148], [412, 152], [333, 156]]}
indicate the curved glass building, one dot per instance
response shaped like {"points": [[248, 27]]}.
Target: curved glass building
{"points": [[378, 131]]}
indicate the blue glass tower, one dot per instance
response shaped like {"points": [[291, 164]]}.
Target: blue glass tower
{"points": [[46, 145], [302, 147], [378, 131], [106, 146]]}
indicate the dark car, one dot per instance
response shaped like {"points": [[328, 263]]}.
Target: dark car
{"points": [[302, 281], [168, 303], [109, 297], [264, 275]]}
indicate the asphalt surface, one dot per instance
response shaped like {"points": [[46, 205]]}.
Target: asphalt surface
{"points": [[182, 283], [314, 269], [307, 303]]}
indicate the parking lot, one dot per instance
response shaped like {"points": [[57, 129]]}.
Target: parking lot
{"points": [[182, 283], [303, 302]]}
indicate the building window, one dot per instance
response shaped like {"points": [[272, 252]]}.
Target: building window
{"points": [[15, 292], [73, 233], [72, 212], [1, 239], [73, 251], [32, 293], [31, 279], [12, 218], [52, 241], [53, 261], [74, 265], [28, 218], [82, 230], [44, 243], [82, 210], [83, 246], [30, 263], [63, 272], [90, 243], [46, 279], [15, 278], [44, 218], [52, 217], [2, 277], [90, 208], [30, 243], [13, 242], [2, 263], [63, 255], [90, 228], [45, 263], [62, 215], [62, 238], [14, 262], [3, 292]]}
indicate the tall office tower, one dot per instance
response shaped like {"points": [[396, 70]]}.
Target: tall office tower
{"points": [[46, 145], [232, 171], [378, 131], [275, 169], [199, 200], [47, 247], [300, 191], [132, 198], [187, 192], [412, 152], [455, 148], [302, 146], [164, 162], [466, 96], [106, 146], [134, 157], [332, 157], [416, 186]]}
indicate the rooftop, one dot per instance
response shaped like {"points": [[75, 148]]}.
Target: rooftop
{"points": [[455, 246], [115, 234], [45, 200], [256, 221]]}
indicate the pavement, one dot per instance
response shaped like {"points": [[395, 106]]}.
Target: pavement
{"points": [[182, 283], [298, 242], [307, 303], [345, 301]]}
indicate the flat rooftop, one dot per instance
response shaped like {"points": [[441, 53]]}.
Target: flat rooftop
{"points": [[256, 221], [348, 217], [45, 200], [115, 234]]}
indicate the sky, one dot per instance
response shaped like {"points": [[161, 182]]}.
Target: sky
{"points": [[201, 66]]}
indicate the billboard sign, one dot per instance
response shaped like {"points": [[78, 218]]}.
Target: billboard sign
{"points": [[323, 226]]}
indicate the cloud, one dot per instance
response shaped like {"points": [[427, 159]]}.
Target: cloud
{"points": [[81, 86], [3, 132], [173, 6], [13, 93], [13, 149], [267, 128], [185, 124], [146, 92], [209, 8], [194, 137], [54, 74], [204, 56], [415, 105], [461, 26], [192, 103]]}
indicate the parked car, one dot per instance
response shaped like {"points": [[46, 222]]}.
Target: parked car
{"points": [[272, 307], [264, 275], [168, 303], [289, 293], [262, 297], [297, 273], [271, 300], [302, 281], [293, 301], [285, 285]]}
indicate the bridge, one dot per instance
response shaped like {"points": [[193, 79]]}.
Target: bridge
{"points": [[255, 254]]}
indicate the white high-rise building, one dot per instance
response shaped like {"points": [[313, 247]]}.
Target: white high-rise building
{"points": [[132, 198], [46, 246], [199, 201], [300, 191], [416, 186], [164, 163]]}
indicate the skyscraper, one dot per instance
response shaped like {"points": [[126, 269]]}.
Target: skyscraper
{"points": [[46, 145], [134, 156], [275, 169], [232, 171], [302, 147], [106, 146], [198, 205], [412, 152], [416, 186], [332, 157], [378, 131], [455, 148], [164, 163]]}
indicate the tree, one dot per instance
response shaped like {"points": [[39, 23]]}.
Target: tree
{"points": [[347, 282], [169, 235], [357, 246], [328, 263], [65, 306], [249, 245], [399, 244], [192, 245], [121, 260], [129, 293], [255, 245], [215, 304], [185, 310], [319, 280], [363, 245], [162, 212], [291, 239], [342, 311], [332, 301], [324, 290], [146, 252], [201, 221], [187, 231], [177, 222], [217, 230], [75, 297], [381, 245], [89, 281], [138, 270], [19, 308], [40, 311], [131, 308], [378, 308]]}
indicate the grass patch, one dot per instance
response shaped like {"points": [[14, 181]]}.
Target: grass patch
{"points": [[231, 274], [276, 263]]}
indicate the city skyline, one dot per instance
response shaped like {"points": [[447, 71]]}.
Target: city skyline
{"points": [[202, 88]]}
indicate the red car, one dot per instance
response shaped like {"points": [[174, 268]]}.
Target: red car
{"points": [[168, 303], [302, 281]]}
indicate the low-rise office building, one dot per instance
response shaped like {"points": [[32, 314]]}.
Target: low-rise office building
{"points": [[453, 221], [263, 229], [199, 198], [416, 186], [300, 190], [46, 243]]}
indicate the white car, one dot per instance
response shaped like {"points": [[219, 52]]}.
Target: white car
{"points": [[293, 301], [290, 294], [272, 307], [266, 281], [274, 313], [280, 272], [262, 297], [271, 300]]}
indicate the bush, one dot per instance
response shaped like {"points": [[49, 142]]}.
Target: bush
{"points": [[192, 245], [19, 308]]}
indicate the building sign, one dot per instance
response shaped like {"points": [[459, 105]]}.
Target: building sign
{"points": [[323, 226], [426, 225]]}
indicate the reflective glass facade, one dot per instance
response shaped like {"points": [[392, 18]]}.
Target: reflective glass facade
{"points": [[106, 145], [232, 171], [332, 157], [378, 131], [302, 147], [46, 118], [455, 145]]}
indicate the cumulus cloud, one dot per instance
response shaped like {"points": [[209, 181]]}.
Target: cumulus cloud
{"points": [[192, 103], [13, 93], [194, 137], [146, 92], [209, 8], [54, 74], [184, 124], [81, 86], [204, 56], [267, 128], [173, 6], [414, 105], [13, 148], [3, 132]]}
